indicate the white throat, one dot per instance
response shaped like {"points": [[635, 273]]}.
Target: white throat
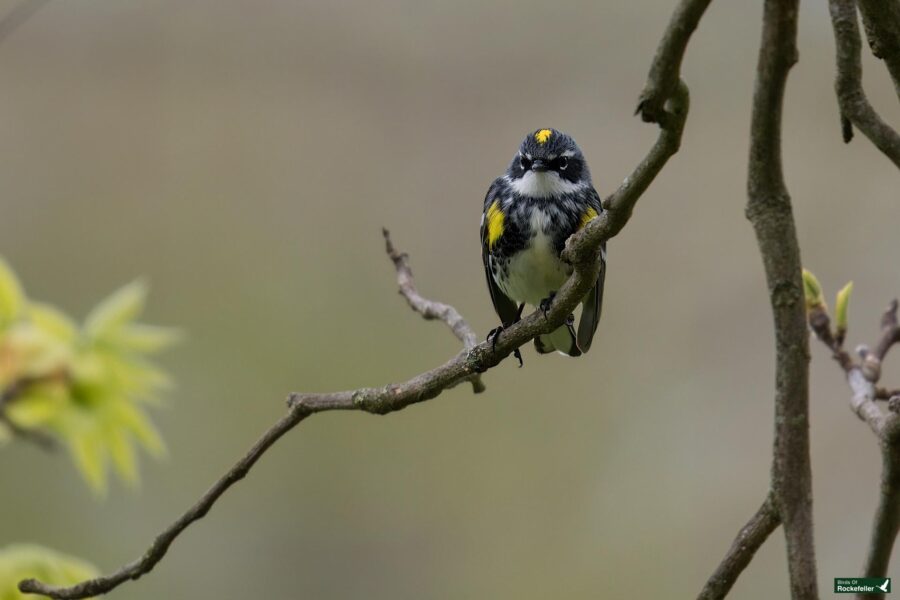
{"points": [[543, 185]]}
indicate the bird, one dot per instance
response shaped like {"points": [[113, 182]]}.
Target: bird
{"points": [[529, 212]]}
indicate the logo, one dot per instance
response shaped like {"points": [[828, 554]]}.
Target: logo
{"points": [[862, 585]]}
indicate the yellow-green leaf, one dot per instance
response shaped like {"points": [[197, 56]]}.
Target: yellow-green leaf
{"points": [[37, 407], [90, 458], [52, 322], [117, 310], [840, 307], [140, 426], [12, 299], [122, 453], [144, 339]]}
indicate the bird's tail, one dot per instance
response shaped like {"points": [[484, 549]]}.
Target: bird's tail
{"points": [[560, 340]]}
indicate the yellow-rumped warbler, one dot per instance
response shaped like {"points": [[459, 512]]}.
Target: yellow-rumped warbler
{"points": [[545, 196]]}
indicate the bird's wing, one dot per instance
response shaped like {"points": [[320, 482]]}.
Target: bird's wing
{"points": [[593, 303], [506, 309], [590, 310]]}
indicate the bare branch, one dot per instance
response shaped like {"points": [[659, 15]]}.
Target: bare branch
{"points": [[887, 516], [890, 331], [748, 541], [431, 309], [882, 22], [854, 105], [160, 545], [426, 385], [666, 67], [862, 378], [863, 400], [769, 210]]}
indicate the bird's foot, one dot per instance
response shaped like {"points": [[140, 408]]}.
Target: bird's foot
{"points": [[570, 325], [494, 334], [546, 303]]}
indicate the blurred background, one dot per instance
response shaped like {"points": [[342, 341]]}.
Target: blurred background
{"points": [[243, 157]]}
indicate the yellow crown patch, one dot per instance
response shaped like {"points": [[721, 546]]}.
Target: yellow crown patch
{"points": [[542, 136]]}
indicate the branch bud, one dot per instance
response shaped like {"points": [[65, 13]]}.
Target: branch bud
{"points": [[840, 309], [812, 291]]}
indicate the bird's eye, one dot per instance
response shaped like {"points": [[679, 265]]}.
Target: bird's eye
{"points": [[525, 163], [562, 163]]}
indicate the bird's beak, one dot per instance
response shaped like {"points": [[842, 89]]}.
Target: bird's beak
{"points": [[539, 166]]}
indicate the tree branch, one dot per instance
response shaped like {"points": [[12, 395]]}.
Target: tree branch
{"points": [[855, 107], [748, 541], [882, 21], [431, 309], [666, 67], [862, 378], [426, 385], [769, 210]]}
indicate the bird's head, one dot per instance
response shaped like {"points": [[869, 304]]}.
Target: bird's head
{"points": [[549, 163]]}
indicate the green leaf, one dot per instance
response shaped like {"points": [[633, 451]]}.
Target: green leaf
{"points": [[38, 406], [51, 321], [25, 561], [140, 426], [117, 310], [90, 458], [122, 453], [31, 352], [144, 339], [12, 299], [841, 304], [812, 290]]}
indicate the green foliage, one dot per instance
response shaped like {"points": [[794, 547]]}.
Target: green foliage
{"points": [[85, 385], [841, 304], [22, 561]]}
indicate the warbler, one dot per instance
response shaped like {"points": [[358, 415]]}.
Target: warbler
{"points": [[545, 196]]}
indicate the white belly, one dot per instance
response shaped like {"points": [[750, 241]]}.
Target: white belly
{"points": [[535, 272]]}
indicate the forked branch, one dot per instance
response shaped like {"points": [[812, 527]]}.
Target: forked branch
{"points": [[769, 210], [862, 375]]}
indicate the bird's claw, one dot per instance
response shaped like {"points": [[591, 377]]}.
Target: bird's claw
{"points": [[546, 303], [494, 334]]}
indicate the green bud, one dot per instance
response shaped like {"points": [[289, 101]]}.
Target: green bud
{"points": [[12, 299], [812, 290], [840, 308]]}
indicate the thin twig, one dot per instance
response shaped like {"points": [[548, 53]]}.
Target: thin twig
{"points": [[431, 309], [890, 331], [743, 548], [426, 385], [769, 210], [160, 545], [854, 105], [666, 66]]}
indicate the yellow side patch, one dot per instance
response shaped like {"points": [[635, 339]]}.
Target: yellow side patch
{"points": [[543, 136], [589, 215], [495, 218]]}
